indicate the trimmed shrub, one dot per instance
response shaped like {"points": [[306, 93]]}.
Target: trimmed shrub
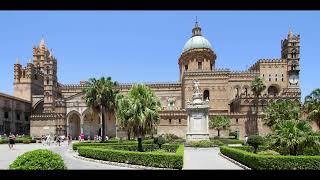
{"points": [[107, 143], [6, 141], [272, 162], [170, 138], [153, 159], [268, 152], [227, 140], [202, 143], [160, 141], [255, 141], [38, 160]]}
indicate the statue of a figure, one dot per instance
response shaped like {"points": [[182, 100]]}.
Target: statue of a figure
{"points": [[196, 86]]}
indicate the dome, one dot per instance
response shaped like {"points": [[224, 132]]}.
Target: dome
{"points": [[197, 42]]}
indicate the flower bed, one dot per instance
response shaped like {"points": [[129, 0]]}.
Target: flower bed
{"points": [[38, 160], [272, 162], [165, 158]]}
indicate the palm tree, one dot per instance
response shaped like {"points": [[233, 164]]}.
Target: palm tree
{"points": [[144, 110], [100, 97], [257, 86], [123, 113], [312, 106], [219, 123], [281, 111], [293, 136]]}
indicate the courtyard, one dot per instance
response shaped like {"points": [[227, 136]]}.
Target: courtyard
{"points": [[194, 158]]}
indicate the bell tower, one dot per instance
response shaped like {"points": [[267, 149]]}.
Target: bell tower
{"points": [[290, 50]]}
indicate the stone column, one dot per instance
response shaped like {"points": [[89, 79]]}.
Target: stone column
{"points": [[67, 126], [81, 124]]}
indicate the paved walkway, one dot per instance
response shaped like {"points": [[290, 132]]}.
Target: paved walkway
{"points": [[194, 158], [206, 158], [8, 156]]}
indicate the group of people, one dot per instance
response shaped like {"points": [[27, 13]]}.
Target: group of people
{"points": [[96, 137]]}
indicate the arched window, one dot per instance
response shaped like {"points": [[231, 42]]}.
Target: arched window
{"points": [[199, 65], [186, 67], [237, 92], [48, 71], [246, 91], [47, 81], [206, 95], [272, 90]]}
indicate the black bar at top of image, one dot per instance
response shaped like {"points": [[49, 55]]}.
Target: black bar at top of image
{"points": [[159, 5]]}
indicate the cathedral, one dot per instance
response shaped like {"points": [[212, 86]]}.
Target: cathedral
{"points": [[58, 108]]}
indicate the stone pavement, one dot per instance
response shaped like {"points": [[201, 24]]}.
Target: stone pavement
{"points": [[194, 158], [206, 158], [8, 156]]}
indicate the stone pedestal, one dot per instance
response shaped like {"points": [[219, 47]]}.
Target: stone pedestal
{"points": [[198, 117]]}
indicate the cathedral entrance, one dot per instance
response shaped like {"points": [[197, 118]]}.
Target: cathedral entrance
{"points": [[74, 125], [91, 125]]}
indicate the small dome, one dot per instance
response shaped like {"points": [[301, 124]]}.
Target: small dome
{"points": [[197, 42]]}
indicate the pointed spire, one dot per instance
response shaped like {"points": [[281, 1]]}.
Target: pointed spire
{"points": [[42, 43], [290, 32], [17, 61], [196, 31]]}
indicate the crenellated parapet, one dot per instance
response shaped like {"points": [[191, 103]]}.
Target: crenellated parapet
{"points": [[256, 66]]}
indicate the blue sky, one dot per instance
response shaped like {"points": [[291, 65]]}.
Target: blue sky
{"points": [[144, 46]]}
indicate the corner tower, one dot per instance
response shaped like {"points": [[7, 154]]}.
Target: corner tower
{"points": [[197, 54]]}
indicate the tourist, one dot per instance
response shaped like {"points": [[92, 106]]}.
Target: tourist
{"points": [[69, 139], [245, 139], [58, 140], [88, 137], [12, 138], [48, 140]]}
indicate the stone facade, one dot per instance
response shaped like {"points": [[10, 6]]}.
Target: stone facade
{"points": [[14, 115], [59, 108]]}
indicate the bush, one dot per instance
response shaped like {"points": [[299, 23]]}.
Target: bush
{"points": [[202, 143], [312, 151], [107, 143], [227, 140], [268, 152], [38, 160], [255, 141], [233, 134], [159, 141], [272, 162], [153, 159], [169, 138]]}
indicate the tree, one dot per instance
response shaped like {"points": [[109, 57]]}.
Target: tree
{"points": [[257, 86], [123, 113], [293, 136], [219, 123], [312, 106], [100, 98], [144, 111], [281, 111], [255, 141]]}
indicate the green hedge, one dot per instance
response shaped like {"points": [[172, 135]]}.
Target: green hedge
{"points": [[108, 143], [230, 141], [171, 148], [6, 141], [38, 160], [272, 162], [152, 159]]}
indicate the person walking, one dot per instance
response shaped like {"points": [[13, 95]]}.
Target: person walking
{"points": [[12, 139], [58, 140], [69, 139]]}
